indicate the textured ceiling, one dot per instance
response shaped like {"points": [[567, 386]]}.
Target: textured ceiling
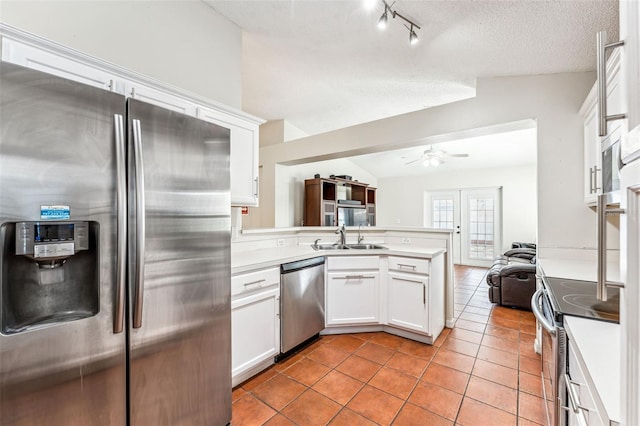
{"points": [[323, 65]]}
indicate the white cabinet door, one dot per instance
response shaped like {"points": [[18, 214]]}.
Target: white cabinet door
{"points": [[255, 330], [592, 166], [244, 155], [28, 56], [591, 141], [353, 298], [408, 302], [160, 98]]}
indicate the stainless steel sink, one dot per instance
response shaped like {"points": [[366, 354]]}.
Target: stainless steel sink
{"points": [[330, 247], [348, 246], [366, 247]]}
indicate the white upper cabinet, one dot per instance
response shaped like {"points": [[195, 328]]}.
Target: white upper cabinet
{"points": [[244, 155], [159, 98], [592, 156], [30, 56], [591, 141], [39, 54]]}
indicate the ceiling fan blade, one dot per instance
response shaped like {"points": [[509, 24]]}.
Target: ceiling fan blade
{"points": [[457, 155], [411, 162]]}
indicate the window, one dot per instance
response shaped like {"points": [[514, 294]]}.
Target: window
{"points": [[443, 213]]}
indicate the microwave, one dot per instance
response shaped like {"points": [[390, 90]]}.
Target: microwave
{"points": [[611, 165]]}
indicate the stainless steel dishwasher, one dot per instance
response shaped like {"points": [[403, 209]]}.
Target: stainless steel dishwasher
{"points": [[301, 301]]}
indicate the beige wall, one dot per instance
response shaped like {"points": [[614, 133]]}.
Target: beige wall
{"points": [[552, 100], [290, 202], [183, 43]]}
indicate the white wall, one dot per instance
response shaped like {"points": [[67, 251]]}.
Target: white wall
{"points": [[552, 100], [183, 43], [401, 199]]}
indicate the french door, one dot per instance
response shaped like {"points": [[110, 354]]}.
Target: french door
{"points": [[475, 217]]}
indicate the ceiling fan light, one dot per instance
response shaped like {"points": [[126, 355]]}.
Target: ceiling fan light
{"points": [[432, 162]]}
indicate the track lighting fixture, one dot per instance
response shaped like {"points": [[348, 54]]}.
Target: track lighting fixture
{"points": [[382, 22]]}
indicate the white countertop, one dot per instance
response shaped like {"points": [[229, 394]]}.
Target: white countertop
{"points": [[598, 344], [251, 260], [577, 269]]}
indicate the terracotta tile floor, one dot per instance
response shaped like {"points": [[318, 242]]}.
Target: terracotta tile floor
{"points": [[482, 372]]}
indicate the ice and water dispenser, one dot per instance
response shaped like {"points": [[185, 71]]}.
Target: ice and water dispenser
{"points": [[50, 273]]}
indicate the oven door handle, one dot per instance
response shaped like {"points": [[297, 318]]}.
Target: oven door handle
{"points": [[537, 312]]}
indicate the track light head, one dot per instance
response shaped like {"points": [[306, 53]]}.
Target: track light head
{"points": [[382, 22], [413, 37]]}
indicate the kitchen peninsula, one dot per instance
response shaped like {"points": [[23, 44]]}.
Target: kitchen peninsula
{"points": [[400, 281]]}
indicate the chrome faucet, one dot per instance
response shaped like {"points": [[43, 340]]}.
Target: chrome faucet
{"points": [[360, 237], [342, 232]]}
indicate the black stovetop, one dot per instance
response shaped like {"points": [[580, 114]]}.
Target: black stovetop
{"points": [[578, 298]]}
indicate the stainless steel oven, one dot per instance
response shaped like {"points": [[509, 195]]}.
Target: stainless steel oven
{"points": [[554, 356], [555, 298]]}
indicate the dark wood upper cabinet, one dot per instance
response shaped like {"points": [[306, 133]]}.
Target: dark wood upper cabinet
{"points": [[330, 202]]}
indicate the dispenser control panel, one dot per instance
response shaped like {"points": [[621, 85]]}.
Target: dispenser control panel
{"points": [[51, 239]]}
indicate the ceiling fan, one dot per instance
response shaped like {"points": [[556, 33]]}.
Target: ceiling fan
{"points": [[434, 157]]}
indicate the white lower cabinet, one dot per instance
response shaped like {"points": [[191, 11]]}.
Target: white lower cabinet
{"points": [[581, 406], [353, 297], [396, 294], [353, 290], [415, 294], [255, 323], [407, 304]]}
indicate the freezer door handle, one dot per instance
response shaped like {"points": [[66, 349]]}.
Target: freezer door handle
{"points": [[140, 224], [121, 193]]}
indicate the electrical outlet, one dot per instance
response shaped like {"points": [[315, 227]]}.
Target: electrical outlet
{"points": [[406, 240], [280, 242]]}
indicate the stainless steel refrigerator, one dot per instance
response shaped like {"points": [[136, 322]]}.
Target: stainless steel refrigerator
{"points": [[114, 259]]}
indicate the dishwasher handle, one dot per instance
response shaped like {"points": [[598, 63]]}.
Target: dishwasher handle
{"points": [[287, 268]]}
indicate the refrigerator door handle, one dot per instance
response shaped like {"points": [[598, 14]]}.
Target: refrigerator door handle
{"points": [[140, 224], [121, 193]]}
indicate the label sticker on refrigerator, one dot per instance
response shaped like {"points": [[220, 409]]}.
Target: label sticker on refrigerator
{"points": [[55, 212]]}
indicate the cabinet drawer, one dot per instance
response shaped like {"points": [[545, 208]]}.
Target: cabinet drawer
{"points": [[252, 281], [580, 400], [409, 264], [352, 262]]}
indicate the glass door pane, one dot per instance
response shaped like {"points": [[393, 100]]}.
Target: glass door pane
{"points": [[442, 211], [481, 232]]}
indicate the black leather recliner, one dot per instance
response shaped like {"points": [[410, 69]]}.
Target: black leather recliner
{"points": [[512, 277]]}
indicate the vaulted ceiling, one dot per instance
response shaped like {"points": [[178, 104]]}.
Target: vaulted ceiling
{"points": [[323, 65]]}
